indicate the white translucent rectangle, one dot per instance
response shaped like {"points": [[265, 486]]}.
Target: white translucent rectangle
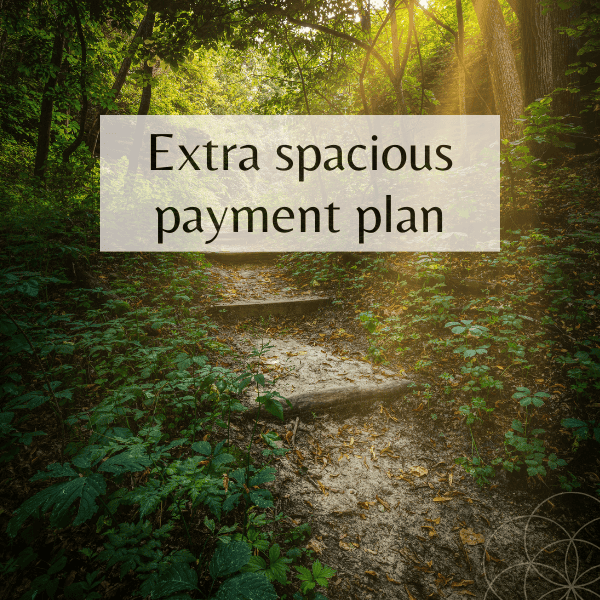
{"points": [[300, 183]]}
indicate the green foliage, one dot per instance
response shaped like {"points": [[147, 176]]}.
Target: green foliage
{"points": [[275, 569], [310, 578], [229, 558], [583, 430]]}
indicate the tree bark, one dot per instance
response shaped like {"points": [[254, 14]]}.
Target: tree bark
{"points": [[121, 76], [47, 108], [564, 53], [503, 67], [460, 52], [147, 70]]}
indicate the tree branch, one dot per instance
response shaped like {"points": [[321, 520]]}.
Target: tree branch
{"points": [[344, 36], [366, 62], [300, 71]]}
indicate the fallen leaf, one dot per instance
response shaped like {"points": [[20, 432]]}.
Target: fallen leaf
{"points": [[316, 546], [322, 488], [309, 503], [442, 499], [430, 530], [469, 537], [419, 471], [489, 557], [410, 596], [371, 573], [382, 502], [463, 583], [348, 547], [392, 580], [435, 521], [441, 581]]}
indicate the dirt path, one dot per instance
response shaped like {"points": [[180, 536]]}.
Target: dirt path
{"points": [[387, 506]]}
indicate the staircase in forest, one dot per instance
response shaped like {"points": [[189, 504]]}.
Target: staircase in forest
{"points": [[311, 377]]}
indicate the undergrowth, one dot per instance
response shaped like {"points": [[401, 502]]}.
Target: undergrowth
{"points": [[115, 428]]}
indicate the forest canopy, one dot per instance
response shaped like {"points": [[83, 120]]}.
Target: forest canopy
{"points": [[64, 64]]}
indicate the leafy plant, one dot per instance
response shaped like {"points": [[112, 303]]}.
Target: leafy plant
{"points": [[318, 575]]}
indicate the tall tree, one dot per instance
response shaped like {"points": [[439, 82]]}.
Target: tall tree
{"points": [[147, 70], [503, 67], [546, 51], [460, 53], [47, 106]]}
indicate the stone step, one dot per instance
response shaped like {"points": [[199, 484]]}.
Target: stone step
{"points": [[265, 308], [343, 400]]}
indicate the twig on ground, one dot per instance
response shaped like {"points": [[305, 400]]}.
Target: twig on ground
{"points": [[295, 428]]}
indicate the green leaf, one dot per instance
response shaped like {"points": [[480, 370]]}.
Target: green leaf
{"points": [[263, 476], [180, 577], [203, 448], [261, 498], [304, 573], [517, 426], [231, 502], [247, 586], [323, 571], [29, 287], [61, 497], [274, 407], [229, 559], [573, 423], [131, 461], [55, 470], [89, 456]]}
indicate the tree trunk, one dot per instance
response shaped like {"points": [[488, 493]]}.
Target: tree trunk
{"points": [[400, 101], [146, 91], [536, 39], [503, 67], [564, 53], [121, 75], [460, 51], [147, 70], [47, 108]]}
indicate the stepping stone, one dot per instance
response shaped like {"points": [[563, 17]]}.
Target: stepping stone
{"points": [[265, 308]]}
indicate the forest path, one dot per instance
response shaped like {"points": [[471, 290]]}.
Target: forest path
{"points": [[388, 508]]}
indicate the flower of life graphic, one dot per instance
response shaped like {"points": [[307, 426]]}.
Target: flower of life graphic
{"points": [[553, 553]]}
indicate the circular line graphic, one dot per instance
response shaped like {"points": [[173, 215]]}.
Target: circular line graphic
{"points": [[568, 583]]}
